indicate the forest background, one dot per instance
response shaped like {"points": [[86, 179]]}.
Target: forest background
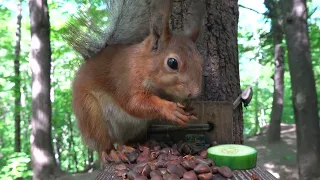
{"points": [[256, 69]]}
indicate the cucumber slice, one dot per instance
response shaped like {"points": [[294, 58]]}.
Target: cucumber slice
{"points": [[234, 156]]}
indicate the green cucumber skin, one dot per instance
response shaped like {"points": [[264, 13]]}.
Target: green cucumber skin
{"points": [[236, 163]]}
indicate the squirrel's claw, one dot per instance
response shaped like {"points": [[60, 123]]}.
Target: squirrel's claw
{"points": [[118, 155], [175, 112], [113, 156]]}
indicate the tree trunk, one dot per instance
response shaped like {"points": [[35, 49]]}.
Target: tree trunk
{"points": [[57, 149], [219, 46], [90, 157], [304, 95], [17, 93], [43, 161], [71, 142], [274, 134], [256, 108]]}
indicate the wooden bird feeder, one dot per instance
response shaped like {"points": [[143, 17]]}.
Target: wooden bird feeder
{"points": [[214, 124]]}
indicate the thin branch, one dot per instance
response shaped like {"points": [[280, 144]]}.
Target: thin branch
{"points": [[313, 11], [242, 6]]}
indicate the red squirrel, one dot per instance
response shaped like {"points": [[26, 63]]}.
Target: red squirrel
{"points": [[119, 89]]}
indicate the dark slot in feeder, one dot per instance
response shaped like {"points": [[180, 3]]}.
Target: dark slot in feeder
{"points": [[157, 128]]}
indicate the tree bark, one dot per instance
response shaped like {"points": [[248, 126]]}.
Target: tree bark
{"points": [[71, 142], [57, 148], [90, 157], [256, 108], [219, 46], [274, 134], [17, 85], [304, 95], [43, 161]]}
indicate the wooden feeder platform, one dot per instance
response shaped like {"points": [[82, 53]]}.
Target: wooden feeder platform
{"points": [[214, 124]]}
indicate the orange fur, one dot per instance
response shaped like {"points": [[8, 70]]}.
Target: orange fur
{"points": [[123, 86]]}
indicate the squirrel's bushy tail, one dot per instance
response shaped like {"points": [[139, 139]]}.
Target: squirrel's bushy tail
{"points": [[119, 22]]}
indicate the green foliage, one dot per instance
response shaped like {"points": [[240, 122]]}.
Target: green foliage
{"points": [[72, 154], [15, 165], [256, 65], [315, 53]]}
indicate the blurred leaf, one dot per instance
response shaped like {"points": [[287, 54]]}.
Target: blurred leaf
{"points": [[288, 157]]}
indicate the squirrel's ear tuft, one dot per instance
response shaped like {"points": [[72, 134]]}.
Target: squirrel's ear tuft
{"points": [[159, 25], [194, 18]]}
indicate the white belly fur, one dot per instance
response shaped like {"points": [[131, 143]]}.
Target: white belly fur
{"points": [[122, 126]]}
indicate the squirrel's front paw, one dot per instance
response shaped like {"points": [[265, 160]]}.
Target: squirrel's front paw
{"points": [[176, 112]]}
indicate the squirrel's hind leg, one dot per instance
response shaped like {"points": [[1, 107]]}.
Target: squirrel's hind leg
{"points": [[91, 122]]}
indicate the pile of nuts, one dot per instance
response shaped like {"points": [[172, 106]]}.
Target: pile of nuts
{"points": [[158, 161]]}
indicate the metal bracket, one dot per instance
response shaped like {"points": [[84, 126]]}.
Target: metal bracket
{"points": [[245, 97]]}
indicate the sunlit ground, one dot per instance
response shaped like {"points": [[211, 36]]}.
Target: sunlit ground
{"points": [[278, 158]]}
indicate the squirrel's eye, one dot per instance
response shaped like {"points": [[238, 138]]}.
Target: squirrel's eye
{"points": [[172, 63]]}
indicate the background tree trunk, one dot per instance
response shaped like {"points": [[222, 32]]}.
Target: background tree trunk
{"points": [[303, 88], [219, 46], [256, 108], [90, 157], [72, 153], [277, 104], [43, 161], [17, 93], [57, 148]]}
